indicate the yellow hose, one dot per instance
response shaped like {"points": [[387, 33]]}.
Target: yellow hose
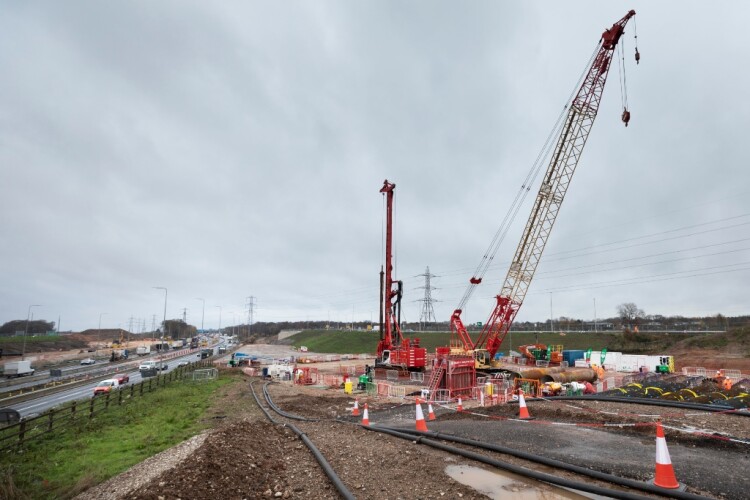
{"points": [[691, 392]]}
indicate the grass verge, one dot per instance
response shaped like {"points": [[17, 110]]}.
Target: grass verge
{"points": [[91, 451], [347, 342]]}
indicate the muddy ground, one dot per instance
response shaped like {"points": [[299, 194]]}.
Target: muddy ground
{"points": [[246, 456], [249, 457]]}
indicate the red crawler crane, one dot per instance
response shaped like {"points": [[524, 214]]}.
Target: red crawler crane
{"points": [[406, 354], [575, 131]]}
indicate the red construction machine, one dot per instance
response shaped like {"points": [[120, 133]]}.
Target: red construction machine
{"points": [[573, 133], [405, 353]]}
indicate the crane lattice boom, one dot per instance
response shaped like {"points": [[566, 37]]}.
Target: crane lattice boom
{"points": [[577, 126]]}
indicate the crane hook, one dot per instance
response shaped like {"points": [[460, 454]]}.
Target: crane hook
{"points": [[626, 116], [637, 56]]}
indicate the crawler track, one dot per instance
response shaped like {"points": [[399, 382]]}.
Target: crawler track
{"points": [[532, 466]]}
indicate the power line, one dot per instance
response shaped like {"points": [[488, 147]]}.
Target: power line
{"points": [[649, 279], [640, 265]]}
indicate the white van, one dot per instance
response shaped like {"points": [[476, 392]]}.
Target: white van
{"points": [[147, 366]]}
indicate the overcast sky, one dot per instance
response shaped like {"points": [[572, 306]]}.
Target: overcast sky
{"points": [[233, 149]]}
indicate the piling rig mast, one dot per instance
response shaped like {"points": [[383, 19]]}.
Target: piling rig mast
{"points": [[575, 131], [405, 354]]}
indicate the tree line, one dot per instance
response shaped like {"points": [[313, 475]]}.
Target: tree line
{"points": [[35, 327]]}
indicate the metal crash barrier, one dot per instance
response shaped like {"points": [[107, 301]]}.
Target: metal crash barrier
{"points": [[205, 374]]}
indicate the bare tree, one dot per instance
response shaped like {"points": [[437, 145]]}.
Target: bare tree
{"points": [[629, 313]]}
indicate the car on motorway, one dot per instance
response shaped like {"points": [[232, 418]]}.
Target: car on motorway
{"points": [[9, 416], [122, 378], [147, 365], [88, 361], [162, 366], [183, 363], [105, 386]]}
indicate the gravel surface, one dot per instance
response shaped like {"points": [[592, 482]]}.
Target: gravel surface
{"points": [[144, 472], [246, 456]]}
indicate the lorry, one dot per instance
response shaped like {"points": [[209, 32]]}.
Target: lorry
{"points": [[143, 350], [18, 368], [118, 355]]}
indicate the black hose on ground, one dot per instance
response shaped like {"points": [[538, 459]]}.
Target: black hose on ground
{"points": [[630, 483], [335, 479], [539, 476], [648, 401], [282, 412], [422, 438]]}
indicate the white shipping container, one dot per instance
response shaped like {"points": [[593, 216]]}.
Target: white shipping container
{"points": [[611, 358]]}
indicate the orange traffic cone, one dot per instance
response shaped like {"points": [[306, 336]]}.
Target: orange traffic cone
{"points": [[431, 414], [355, 410], [665, 477], [523, 411], [365, 417], [460, 407], [421, 425]]}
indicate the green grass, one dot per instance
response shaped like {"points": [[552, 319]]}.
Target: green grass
{"points": [[355, 342], [90, 451], [347, 342]]}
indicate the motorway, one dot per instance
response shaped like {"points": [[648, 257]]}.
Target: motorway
{"points": [[39, 405]]}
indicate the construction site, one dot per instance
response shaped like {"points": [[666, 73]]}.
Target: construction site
{"points": [[474, 418], [470, 380], [347, 408]]}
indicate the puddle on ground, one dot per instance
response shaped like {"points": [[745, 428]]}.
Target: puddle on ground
{"points": [[503, 485]]}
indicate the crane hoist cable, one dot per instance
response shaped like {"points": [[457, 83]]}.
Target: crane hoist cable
{"points": [[623, 75]]}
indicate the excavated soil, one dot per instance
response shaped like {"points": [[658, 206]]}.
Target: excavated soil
{"points": [[246, 456]]}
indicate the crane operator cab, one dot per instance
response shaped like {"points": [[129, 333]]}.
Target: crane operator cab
{"points": [[482, 358], [386, 357]]}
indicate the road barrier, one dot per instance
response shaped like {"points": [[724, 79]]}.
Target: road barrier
{"points": [[77, 378], [205, 374], [57, 418]]}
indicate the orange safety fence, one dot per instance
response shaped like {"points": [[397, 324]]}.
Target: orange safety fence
{"points": [[530, 387]]}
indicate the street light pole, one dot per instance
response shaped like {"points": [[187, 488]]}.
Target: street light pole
{"points": [[26, 331], [164, 323], [99, 330], [595, 326], [203, 311]]}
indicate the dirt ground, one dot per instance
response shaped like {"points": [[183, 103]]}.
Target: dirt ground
{"points": [[246, 456], [66, 349], [249, 457]]}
